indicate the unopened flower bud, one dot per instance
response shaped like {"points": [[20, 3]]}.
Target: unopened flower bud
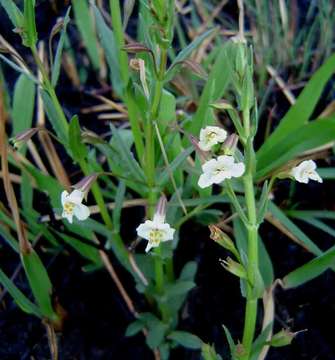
{"points": [[85, 183], [139, 65], [234, 267], [282, 338], [195, 142], [160, 212], [230, 144], [23, 137]]}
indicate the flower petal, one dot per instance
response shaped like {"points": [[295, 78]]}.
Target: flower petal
{"points": [[205, 180], [209, 166], [143, 230], [225, 160], [315, 176], [64, 197], [67, 216], [82, 212], [149, 247], [238, 169], [76, 197]]}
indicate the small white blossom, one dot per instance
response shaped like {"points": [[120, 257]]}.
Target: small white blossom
{"points": [[155, 231], [305, 171], [210, 136], [217, 170], [72, 205]]}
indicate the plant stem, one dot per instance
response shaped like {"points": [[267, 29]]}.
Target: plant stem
{"points": [[252, 230]]}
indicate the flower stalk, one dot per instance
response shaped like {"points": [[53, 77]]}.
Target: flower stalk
{"points": [[252, 231]]}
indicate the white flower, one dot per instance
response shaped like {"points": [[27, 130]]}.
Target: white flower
{"points": [[155, 231], [217, 170], [72, 205], [305, 171], [210, 136]]}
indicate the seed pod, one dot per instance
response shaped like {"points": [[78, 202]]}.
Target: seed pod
{"points": [[234, 267], [283, 338], [222, 105], [135, 48]]}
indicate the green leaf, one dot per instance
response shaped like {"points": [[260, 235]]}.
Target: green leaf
{"points": [[107, 39], [230, 340], [174, 165], [119, 198], [186, 339], [60, 129], [178, 288], [134, 328], [310, 270], [301, 236], [127, 156], [260, 342], [189, 270], [18, 68], [85, 25], [30, 33], [185, 53], [265, 264], [263, 203], [39, 283], [58, 57], [156, 334], [23, 104], [208, 352], [77, 147], [214, 89], [85, 250], [309, 136], [9, 238], [21, 300], [301, 111], [13, 12]]}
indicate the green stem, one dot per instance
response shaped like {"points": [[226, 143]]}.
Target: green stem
{"points": [[252, 230]]}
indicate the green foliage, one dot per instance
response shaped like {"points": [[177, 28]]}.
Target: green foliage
{"points": [[40, 283], [29, 27], [84, 22]]}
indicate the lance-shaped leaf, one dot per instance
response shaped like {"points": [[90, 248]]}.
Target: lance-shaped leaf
{"points": [[40, 283], [21, 300], [310, 270], [29, 30]]}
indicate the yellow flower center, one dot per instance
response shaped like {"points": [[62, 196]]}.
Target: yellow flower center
{"points": [[211, 135], [155, 236], [68, 207]]}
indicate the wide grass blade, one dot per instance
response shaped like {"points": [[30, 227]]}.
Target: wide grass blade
{"points": [[299, 113], [21, 300], [310, 270], [58, 57], [40, 283], [85, 25], [23, 104]]}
